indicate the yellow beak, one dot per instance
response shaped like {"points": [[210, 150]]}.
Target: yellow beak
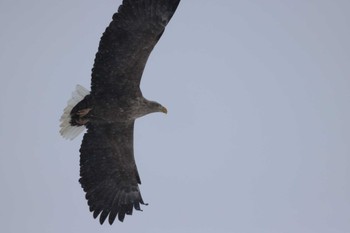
{"points": [[164, 110]]}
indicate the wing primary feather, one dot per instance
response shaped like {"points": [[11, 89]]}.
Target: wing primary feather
{"points": [[113, 214], [96, 213], [114, 209], [129, 209], [121, 215], [103, 216], [137, 206]]}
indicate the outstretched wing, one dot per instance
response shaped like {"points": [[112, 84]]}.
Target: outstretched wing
{"points": [[127, 43], [108, 171]]}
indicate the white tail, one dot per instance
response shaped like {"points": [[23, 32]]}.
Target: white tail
{"points": [[67, 130]]}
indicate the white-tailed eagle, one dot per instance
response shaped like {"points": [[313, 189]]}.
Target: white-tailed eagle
{"points": [[108, 170]]}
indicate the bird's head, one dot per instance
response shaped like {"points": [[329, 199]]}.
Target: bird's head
{"points": [[156, 107], [145, 107]]}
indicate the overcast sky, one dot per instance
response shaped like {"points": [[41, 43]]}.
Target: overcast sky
{"points": [[257, 138]]}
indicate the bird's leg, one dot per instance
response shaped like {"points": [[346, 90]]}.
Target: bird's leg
{"points": [[81, 120], [83, 112]]}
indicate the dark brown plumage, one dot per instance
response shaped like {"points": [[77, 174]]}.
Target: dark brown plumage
{"points": [[108, 170]]}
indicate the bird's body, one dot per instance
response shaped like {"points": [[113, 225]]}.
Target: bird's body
{"points": [[108, 170]]}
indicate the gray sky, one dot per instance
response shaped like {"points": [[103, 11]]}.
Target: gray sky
{"points": [[257, 139]]}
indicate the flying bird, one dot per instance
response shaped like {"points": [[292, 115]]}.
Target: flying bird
{"points": [[108, 172]]}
